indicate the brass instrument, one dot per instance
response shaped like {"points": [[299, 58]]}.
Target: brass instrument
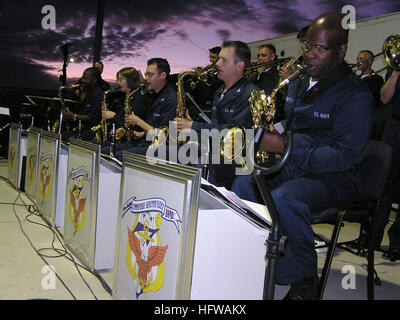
{"points": [[127, 130], [57, 124], [205, 74], [263, 107], [291, 65], [391, 51], [251, 70], [100, 131]]}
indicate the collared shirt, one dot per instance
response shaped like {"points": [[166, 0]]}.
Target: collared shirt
{"points": [[331, 131], [230, 108]]}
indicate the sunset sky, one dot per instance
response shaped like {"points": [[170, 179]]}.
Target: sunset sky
{"points": [[181, 31]]}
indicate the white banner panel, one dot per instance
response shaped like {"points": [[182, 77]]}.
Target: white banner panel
{"points": [[14, 150], [158, 214], [80, 212], [91, 205], [32, 157], [50, 190]]}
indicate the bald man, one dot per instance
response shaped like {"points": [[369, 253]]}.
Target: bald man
{"points": [[330, 113]]}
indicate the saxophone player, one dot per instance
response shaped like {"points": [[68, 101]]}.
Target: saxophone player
{"points": [[161, 109], [89, 112], [330, 112], [230, 104], [127, 80]]}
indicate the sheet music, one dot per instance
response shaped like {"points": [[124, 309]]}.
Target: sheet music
{"points": [[231, 199]]}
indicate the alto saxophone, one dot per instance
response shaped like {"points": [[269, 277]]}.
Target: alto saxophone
{"points": [[127, 130], [101, 130], [263, 107]]}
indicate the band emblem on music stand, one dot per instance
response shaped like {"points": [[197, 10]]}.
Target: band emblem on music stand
{"points": [[31, 166], [45, 175], [145, 253], [12, 154], [77, 201]]}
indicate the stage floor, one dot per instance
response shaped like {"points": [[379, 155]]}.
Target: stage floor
{"points": [[27, 244]]}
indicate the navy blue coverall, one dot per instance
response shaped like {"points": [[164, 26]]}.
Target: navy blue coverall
{"points": [[331, 129]]}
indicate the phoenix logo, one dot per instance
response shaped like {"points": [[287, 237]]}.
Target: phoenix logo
{"points": [[79, 178], [45, 179], [31, 167], [77, 204], [144, 253]]}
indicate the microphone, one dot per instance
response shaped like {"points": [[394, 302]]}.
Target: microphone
{"points": [[299, 71]]}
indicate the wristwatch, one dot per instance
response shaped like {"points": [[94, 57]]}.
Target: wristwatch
{"points": [[75, 117]]}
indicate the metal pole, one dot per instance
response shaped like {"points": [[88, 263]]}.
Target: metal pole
{"points": [[99, 31]]}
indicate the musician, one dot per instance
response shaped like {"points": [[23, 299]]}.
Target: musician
{"points": [[390, 94], [285, 71], [330, 113], [365, 58], [162, 107], [230, 105], [102, 83], [213, 54], [202, 93], [128, 79], [267, 77], [89, 112]]}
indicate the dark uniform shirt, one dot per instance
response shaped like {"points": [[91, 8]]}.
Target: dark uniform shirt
{"points": [[163, 108], [330, 128], [374, 83], [395, 101], [230, 108], [91, 106]]}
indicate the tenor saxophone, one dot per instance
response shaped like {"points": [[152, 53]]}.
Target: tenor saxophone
{"points": [[127, 130], [57, 124]]}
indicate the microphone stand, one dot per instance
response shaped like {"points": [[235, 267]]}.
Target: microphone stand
{"points": [[276, 243]]}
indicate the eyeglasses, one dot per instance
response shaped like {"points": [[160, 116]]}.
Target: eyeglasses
{"points": [[306, 46], [150, 74]]}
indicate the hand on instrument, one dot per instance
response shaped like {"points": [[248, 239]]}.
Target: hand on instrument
{"points": [[183, 123], [272, 142], [138, 135], [105, 115], [131, 119]]}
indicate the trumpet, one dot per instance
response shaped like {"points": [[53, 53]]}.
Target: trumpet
{"points": [[251, 70], [290, 68], [205, 74]]}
